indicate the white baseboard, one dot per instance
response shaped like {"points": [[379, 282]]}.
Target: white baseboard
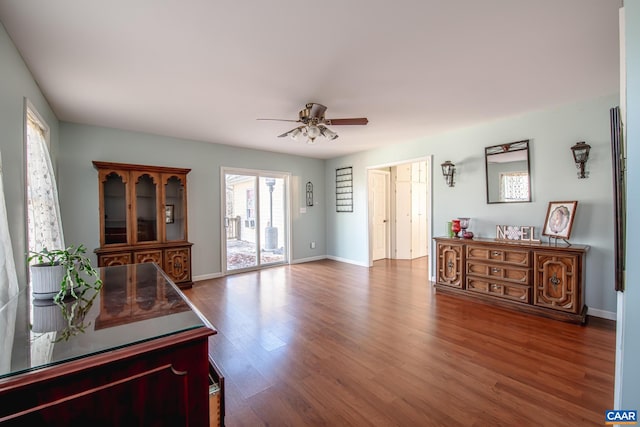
{"points": [[610, 315], [348, 261], [207, 276], [309, 259]]}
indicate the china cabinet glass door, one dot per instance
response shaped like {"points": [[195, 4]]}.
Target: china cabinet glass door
{"points": [[175, 215], [115, 209], [146, 202]]}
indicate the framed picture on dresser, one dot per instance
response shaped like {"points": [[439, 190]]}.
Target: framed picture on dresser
{"points": [[559, 219]]}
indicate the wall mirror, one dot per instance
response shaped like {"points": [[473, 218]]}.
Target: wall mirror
{"points": [[508, 173]]}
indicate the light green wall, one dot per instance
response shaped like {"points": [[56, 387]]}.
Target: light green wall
{"points": [[628, 345], [554, 177], [16, 84], [78, 183]]}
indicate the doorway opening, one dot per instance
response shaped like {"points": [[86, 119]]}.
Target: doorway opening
{"points": [[399, 204], [255, 216]]}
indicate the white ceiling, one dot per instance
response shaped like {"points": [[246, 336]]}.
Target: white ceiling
{"points": [[207, 69]]}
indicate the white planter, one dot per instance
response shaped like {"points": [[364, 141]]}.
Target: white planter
{"points": [[45, 280], [47, 317]]}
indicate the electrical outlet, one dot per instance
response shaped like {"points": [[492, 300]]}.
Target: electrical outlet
{"points": [[313, 245]]}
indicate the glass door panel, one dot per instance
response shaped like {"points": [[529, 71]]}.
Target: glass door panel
{"points": [[174, 218], [256, 221], [240, 221], [272, 220], [146, 209], [115, 210]]}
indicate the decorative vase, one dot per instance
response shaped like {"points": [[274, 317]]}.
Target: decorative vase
{"points": [[464, 224], [455, 227]]}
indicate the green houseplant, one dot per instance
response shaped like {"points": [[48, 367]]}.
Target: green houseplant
{"points": [[57, 274]]}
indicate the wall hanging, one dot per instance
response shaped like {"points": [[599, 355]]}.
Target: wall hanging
{"points": [[309, 194], [344, 189]]}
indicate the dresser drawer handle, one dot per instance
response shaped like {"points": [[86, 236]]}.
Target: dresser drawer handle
{"points": [[495, 287], [496, 253], [496, 270]]}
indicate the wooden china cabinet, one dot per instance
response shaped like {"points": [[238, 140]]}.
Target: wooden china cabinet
{"points": [[143, 218]]}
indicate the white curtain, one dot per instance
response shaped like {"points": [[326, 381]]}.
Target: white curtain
{"points": [[44, 223], [8, 286]]}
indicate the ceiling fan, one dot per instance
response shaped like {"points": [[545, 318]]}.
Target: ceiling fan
{"points": [[313, 123]]}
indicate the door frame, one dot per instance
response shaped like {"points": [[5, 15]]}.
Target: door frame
{"points": [[430, 246], [258, 173]]}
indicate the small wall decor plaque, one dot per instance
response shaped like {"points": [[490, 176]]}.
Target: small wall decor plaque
{"points": [[523, 233], [309, 192]]}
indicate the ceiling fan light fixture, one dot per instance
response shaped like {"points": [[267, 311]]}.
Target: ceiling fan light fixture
{"points": [[328, 133], [295, 133], [313, 120], [313, 131]]}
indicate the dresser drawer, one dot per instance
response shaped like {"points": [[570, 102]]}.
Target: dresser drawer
{"points": [[519, 257], [499, 271], [511, 291]]}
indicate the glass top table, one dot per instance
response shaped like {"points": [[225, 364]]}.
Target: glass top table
{"points": [[136, 303]]}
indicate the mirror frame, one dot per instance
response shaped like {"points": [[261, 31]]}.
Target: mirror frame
{"points": [[507, 148]]}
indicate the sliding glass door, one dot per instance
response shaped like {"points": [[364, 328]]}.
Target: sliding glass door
{"points": [[255, 219]]}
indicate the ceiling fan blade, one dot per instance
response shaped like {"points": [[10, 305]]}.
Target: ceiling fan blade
{"points": [[316, 111], [352, 121], [282, 120]]}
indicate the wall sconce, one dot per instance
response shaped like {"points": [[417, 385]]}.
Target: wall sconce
{"points": [[581, 155], [448, 170]]}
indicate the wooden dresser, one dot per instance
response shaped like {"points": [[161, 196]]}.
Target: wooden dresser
{"points": [[542, 279], [143, 218]]}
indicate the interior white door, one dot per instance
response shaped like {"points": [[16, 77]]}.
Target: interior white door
{"points": [[419, 221], [378, 195], [403, 220]]}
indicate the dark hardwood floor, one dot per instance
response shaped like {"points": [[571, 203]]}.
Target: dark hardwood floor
{"points": [[329, 343]]}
